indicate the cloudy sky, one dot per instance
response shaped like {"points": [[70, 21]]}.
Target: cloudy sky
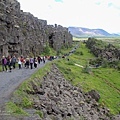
{"points": [[104, 14]]}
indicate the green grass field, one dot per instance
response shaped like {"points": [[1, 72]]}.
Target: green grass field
{"points": [[112, 40], [79, 39]]}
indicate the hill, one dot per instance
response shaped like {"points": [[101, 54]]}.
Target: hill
{"points": [[86, 32]]}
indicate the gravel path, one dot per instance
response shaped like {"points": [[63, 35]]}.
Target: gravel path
{"points": [[9, 81]]}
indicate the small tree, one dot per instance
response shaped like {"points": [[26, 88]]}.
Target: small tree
{"points": [[46, 50]]}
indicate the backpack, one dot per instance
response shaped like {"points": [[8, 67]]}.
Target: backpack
{"points": [[5, 61]]}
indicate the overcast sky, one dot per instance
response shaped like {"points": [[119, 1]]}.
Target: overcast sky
{"points": [[104, 14]]}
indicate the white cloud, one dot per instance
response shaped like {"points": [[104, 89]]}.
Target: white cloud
{"points": [[103, 14]]}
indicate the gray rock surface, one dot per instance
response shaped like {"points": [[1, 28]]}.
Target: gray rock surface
{"points": [[109, 52], [22, 33], [59, 100]]}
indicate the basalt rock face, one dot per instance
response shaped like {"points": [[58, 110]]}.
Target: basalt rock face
{"points": [[109, 52], [22, 34]]}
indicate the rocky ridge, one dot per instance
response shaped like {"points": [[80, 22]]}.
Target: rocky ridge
{"points": [[21, 33], [108, 52], [87, 32], [59, 100]]}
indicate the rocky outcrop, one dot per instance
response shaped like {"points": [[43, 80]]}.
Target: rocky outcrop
{"points": [[94, 94], [22, 34], [109, 52], [59, 100]]}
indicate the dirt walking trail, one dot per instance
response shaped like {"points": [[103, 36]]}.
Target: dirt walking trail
{"points": [[9, 81]]}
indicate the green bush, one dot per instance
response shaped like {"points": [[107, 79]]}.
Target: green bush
{"points": [[78, 53], [87, 69], [105, 63]]}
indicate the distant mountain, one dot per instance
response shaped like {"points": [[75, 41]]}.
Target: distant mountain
{"points": [[86, 32]]}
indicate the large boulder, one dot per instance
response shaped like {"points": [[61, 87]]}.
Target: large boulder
{"points": [[94, 94]]}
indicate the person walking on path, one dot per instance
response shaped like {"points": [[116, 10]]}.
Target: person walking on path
{"points": [[35, 62], [4, 63], [27, 62], [31, 62], [39, 59], [22, 61], [13, 60], [19, 63], [43, 59], [9, 63]]}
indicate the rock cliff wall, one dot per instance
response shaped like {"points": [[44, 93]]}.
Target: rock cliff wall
{"points": [[109, 51], [22, 34]]}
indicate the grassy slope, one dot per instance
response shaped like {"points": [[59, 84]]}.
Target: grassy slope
{"points": [[104, 80]]}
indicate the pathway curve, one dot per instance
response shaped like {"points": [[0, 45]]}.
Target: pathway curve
{"points": [[9, 81]]}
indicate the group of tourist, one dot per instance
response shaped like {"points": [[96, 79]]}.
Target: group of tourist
{"points": [[9, 63]]}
